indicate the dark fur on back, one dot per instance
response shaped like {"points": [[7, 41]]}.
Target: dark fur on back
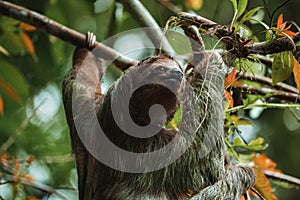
{"points": [[199, 172]]}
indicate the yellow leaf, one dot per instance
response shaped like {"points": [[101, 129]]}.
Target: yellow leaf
{"points": [[4, 51], [1, 106], [296, 71], [173, 123], [28, 43], [27, 27], [239, 121], [194, 4]]}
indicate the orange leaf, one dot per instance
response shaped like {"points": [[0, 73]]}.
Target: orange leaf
{"points": [[230, 78], [10, 91], [280, 21], [4, 159], [263, 186], [289, 33], [27, 27], [1, 106], [282, 26], [28, 43], [296, 71], [229, 98], [265, 163]]}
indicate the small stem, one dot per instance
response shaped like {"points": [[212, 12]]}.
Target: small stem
{"points": [[232, 150], [19, 130], [268, 81], [282, 177], [263, 105], [288, 96], [169, 5], [145, 19]]}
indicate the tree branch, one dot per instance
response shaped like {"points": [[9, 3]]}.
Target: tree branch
{"points": [[234, 44], [289, 96], [268, 81], [39, 186], [282, 177], [62, 32]]}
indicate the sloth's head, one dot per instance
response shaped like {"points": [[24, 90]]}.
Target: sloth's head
{"points": [[156, 80]]}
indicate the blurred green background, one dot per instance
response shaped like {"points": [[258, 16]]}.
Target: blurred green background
{"points": [[36, 117]]}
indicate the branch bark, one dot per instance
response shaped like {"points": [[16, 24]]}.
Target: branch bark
{"points": [[289, 96], [62, 32], [233, 42]]}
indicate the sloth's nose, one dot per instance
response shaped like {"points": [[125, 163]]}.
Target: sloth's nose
{"points": [[175, 74]]}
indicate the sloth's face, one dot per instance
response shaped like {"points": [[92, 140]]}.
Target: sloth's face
{"points": [[160, 81]]}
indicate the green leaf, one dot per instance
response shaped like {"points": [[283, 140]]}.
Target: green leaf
{"points": [[176, 119], [234, 3], [102, 5], [13, 85], [282, 66], [249, 14], [241, 7], [254, 145]]}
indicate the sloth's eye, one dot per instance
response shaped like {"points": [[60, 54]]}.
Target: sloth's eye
{"points": [[162, 69]]}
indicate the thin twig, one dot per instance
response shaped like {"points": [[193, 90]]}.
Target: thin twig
{"points": [[288, 96], [39, 186], [19, 130], [145, 19], [263, 105], [268, 81], [295, 115], [64, 33], [170, 6], [257, 193], [278, 7], [282, 177]]}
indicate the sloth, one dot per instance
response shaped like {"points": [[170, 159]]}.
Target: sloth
{"points": [[199, 172]]}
